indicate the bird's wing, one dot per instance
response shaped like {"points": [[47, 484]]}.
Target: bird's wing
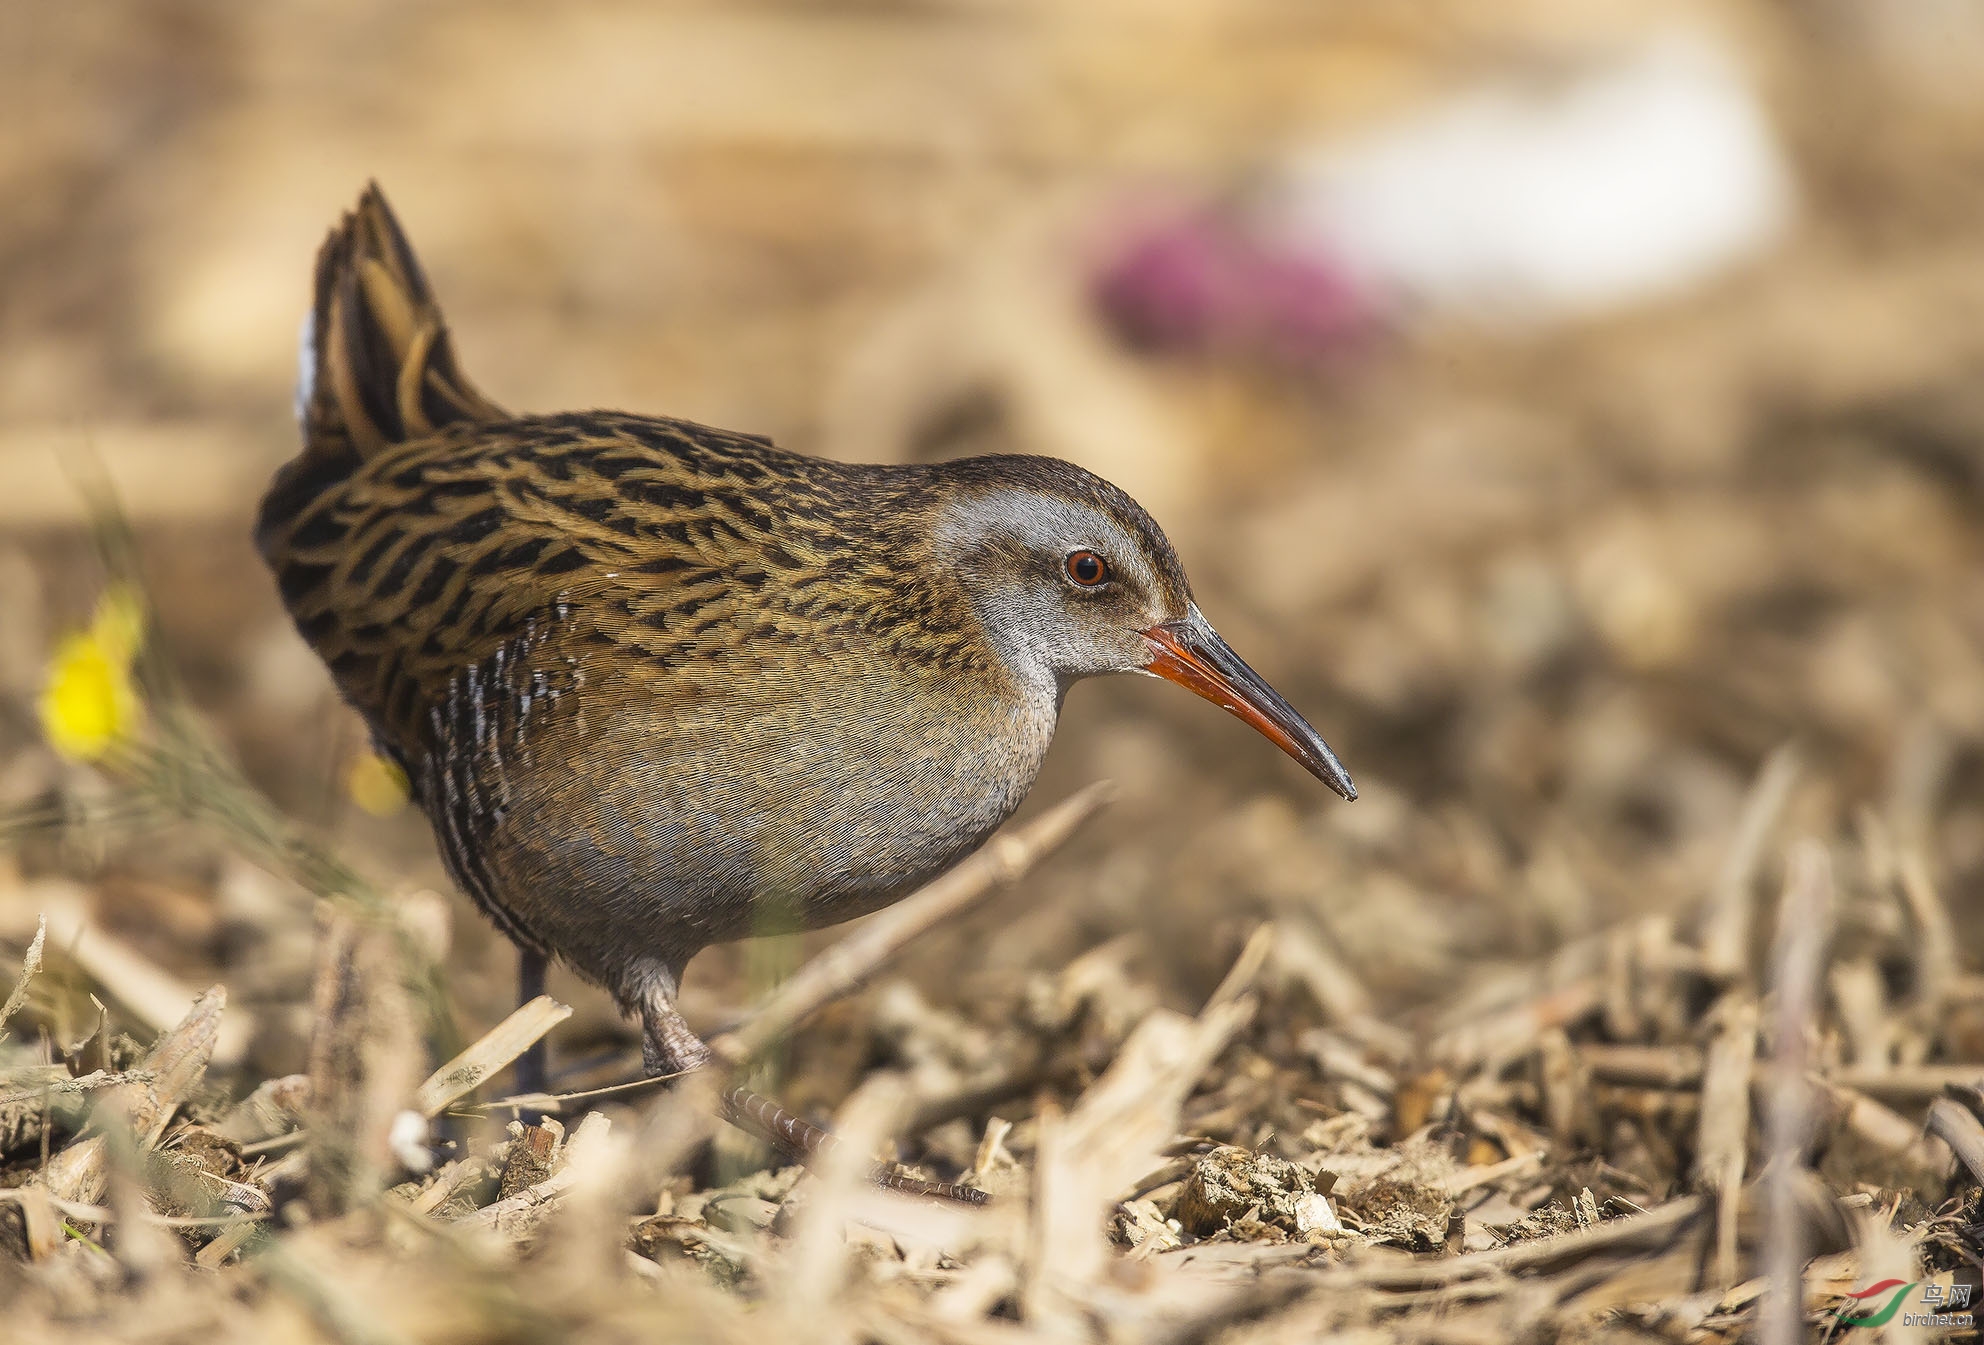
{"points": [[643, 544]]}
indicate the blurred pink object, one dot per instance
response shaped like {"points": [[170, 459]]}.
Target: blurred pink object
{"points": [[1200, 279]]}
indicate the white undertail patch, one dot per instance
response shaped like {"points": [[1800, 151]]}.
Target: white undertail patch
{"points": [[306, 368]]}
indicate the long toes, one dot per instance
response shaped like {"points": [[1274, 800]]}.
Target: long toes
{"points": [[892, 1177]]}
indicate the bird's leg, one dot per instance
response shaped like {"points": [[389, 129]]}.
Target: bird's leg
{"points": [[670, 1046], [532, 1073]]}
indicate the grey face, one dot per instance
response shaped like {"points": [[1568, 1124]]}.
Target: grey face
{"points": [[1066, 591]]}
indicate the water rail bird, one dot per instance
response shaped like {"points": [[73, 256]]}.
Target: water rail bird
{"points": [[649, 680]]}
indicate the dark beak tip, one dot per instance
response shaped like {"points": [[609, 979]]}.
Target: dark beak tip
{"points": [[1338, 779]]}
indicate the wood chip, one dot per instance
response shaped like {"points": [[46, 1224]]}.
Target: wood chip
{"points": [[1722, 1138], [517, 1216], [1804, 928], [1088, 1157], [1726, 928], [1958, 1128], [365, 1054], [30, 964], [167, 1075], [490, 1053]]}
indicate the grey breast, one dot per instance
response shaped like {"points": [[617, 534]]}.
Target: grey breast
{"points": [[728, 819]]}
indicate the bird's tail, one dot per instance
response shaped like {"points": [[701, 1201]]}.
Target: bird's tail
{"points": [[377, 367]]}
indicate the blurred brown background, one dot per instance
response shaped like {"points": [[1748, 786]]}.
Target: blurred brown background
{"points": [[1554, 577]]}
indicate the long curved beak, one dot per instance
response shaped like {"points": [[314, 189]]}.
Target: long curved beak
{"points": [[1190, 653]]}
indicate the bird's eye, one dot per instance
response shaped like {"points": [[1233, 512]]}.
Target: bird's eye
{"points": [[1087, 569]]}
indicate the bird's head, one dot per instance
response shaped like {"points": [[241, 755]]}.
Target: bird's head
{"points": [[1071, 579]]}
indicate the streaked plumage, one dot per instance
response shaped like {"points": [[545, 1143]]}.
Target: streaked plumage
{"points": [[659, 685]]}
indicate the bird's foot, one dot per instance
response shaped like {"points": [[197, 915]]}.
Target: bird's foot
{"points": [[805, 1141], [670, 1046]]}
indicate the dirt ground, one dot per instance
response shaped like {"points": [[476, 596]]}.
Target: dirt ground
{"points": [[1640, 995]]}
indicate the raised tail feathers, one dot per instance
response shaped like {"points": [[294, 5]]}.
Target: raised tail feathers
{"points": [[377, 365]]}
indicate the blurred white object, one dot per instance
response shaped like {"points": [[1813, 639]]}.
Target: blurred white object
{"points": [[1512, 202], [1314, 1213], [409, 1139]]}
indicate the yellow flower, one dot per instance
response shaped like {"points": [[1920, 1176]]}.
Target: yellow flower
{"points": [[90, 702], [376, 784]]}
